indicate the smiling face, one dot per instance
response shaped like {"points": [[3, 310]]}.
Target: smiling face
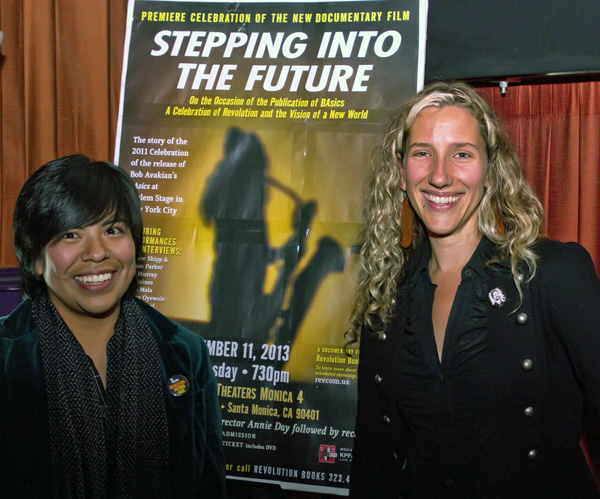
{"points": [[89, 269], [445, 170]]}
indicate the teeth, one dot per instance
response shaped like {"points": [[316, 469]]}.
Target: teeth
{"points": [[441, 200], [94, 279]]}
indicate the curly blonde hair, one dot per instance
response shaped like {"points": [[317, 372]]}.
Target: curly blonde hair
{"points": [[508, 196]]}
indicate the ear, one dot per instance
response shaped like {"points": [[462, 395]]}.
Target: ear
{"points": [[38, 266], [402, 176], [396, 154]]}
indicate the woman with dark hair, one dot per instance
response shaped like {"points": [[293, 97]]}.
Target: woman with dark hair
{"points": [[479, 364], [100, 395]]}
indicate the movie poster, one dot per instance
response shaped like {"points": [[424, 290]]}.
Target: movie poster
{"points": [[248, 129]]}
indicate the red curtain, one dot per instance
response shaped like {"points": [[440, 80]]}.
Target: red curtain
{"points": [[556, 130], [60, 74]]}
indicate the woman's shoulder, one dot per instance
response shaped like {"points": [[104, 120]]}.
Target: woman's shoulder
{"points": [[18, 323], [552, 247], [565, 269], [558, 255], [168, 330]]}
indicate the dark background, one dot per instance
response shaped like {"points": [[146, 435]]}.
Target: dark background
{"points": [[518, 40]]}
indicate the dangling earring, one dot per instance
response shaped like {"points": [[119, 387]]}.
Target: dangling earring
{"points": [[406, 223], [499, 223]]}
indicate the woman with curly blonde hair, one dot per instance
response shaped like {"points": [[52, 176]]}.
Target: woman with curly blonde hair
{"points": [[479, 338]]}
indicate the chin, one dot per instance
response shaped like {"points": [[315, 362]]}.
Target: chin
{"points": [[437, 231], [100, 310]]}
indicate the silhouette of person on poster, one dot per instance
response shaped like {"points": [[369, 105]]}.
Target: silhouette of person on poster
{"points": [[235, 200]]}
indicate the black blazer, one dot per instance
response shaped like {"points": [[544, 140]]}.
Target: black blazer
{"points": [[546, 358]]}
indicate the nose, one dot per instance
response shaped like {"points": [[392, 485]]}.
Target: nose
{"points": [[95, 249], [439, 176]]}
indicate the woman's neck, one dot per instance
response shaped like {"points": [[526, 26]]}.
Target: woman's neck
{"points": [[450, 254]]}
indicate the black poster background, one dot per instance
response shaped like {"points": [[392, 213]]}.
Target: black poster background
{"points": [[251, 184]]}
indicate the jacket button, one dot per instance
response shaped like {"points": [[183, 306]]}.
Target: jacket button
{"points": [[382, 336], [528, 411], [378, 379], [386, 420], [522, 318], [532, 455], [527, 364]]}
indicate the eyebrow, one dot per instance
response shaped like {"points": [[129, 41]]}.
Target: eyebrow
{"points": [[455, 144], [113, 220]]}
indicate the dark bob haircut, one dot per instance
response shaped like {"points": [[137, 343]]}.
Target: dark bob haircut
{"points": [[65, 194]]}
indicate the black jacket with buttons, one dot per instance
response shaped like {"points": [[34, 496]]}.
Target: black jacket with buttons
{"points": [[546, 364]]}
